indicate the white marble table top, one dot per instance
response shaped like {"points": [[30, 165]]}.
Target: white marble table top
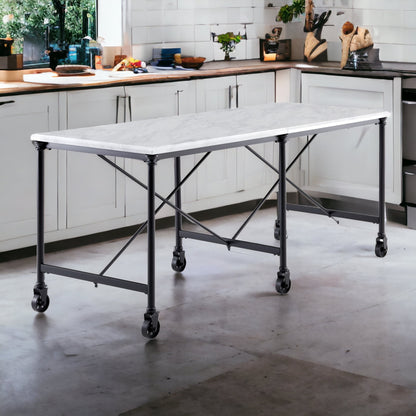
{"points": [[194, 133]]}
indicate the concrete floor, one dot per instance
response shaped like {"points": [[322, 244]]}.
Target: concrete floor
{"points": [[342, 342]]}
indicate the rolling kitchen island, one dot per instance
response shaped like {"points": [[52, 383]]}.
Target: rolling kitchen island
{"points": [[202, 133]]}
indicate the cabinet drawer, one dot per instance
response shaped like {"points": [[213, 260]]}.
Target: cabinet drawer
{"points": [[409, 129]]}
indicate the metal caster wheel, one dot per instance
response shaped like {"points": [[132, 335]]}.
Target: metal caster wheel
{"points": [[381, 246], [178, 261], [283, 282], [380, 250], [277, 231], [149, 330], [38, 305]]}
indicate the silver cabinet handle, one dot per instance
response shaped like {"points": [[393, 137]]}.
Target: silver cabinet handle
{"points": [[129, 98], [127, 102], [236, 93], [117, 106], [178, 93], [230, 94], [409, 102], [7, 102]]}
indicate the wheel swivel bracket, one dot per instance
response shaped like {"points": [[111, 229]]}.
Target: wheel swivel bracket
{"points": [[42, 291], [180, 254], [153, 317]]}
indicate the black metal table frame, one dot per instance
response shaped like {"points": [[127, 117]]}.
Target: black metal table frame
{"points": [[151, 325]]}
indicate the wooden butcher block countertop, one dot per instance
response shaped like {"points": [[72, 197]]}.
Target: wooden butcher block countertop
{"points": [[208, 70]]}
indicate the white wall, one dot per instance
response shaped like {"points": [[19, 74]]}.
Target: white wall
{"points": [[110, 22], [188, 24], [392, 24]]}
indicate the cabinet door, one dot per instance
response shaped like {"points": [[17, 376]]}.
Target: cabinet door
{"points": [[152, 101], [346, 162], [26, 114], [218, 174], [94, 190], [255, 89], [288, 89]]}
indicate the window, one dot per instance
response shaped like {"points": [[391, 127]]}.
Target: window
{"points": [[56, 26]]}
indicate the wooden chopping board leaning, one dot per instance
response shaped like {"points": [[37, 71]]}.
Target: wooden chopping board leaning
{"points": [[353, 39]]}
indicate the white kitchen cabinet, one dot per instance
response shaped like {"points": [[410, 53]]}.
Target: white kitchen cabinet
{"points": [[288, 89], [233, 170], [161, 99], [94, 190], [84, 195], [256, 89], [218, 174], [153, 101], [347, 163], [21, 117]]}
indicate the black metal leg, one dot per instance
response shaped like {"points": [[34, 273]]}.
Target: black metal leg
{"points": [[283, 276], [178, 259], [40, 301], [277, 223], [381, 240], [151, 325]]}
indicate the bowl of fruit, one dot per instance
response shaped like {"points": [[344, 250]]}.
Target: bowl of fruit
{"points": [[130, 64]]}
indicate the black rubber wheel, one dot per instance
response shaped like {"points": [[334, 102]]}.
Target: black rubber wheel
{"points": [[178, 264], [380, 250], [283, 285], [38, 305], [277, 233], [283, 282], [148, 330]]}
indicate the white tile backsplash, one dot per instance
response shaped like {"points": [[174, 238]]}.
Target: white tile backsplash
{"points": [[189, 23], [161, 4], [192, 21], [240, 15], [205, 49], [202, 33]]}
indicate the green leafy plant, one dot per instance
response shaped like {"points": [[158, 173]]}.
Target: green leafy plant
{"points": [[228, 42], [20, 18], [288, 12]]}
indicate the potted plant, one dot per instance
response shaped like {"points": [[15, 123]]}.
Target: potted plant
{"points": [[228, 43], [289, 11]]}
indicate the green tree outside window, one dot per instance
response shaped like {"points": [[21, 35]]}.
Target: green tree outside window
{"points": [[32, 18]]}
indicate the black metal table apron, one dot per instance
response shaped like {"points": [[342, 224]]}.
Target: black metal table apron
{"points": [[151, 325]]}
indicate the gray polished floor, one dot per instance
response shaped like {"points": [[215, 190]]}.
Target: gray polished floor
{"points": [[342, 342]]}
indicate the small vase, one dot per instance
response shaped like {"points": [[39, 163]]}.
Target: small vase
{"points": [[227, 56]]}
